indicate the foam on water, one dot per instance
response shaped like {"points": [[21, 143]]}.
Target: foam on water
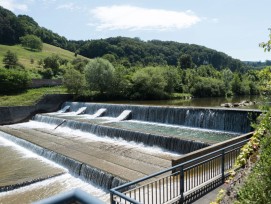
{"points": [[91, 137], [183, 127], [50, 187], [25, 153]]}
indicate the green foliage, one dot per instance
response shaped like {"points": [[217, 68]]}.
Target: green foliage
{"points": [[29, 97], [240, 87], [7, 27], [257, 188], [149, 83], [10, 59], [32, 42], [267, 45], [208, 71], [227, 77], [186, 61], [100, 75], [79, 64], [265, 81], [13, 81], [74, 81], [208, 87]]}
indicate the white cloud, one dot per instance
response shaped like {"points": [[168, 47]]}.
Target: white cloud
{"points": [[69, 6], [13, 5], [136, 18]]}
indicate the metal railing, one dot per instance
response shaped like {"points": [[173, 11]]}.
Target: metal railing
{"points": [[183, 183]]}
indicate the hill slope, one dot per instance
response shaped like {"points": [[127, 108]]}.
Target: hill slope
{"points": [[25, 55], [122, 50]]}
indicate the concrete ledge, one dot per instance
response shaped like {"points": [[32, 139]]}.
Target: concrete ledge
{"points": [[210, 149], [15, 114]]}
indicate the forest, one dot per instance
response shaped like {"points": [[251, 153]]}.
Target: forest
{"points": [[129, 68]]}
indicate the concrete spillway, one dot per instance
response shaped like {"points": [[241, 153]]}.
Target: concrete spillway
{"points": [[106, 164], [94, 144], [233, 120]]}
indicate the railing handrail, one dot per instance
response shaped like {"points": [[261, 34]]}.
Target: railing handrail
{"points": [[174, 167]]}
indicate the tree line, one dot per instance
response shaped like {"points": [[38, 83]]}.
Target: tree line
{"points": [[126, 51], [129, 68]]}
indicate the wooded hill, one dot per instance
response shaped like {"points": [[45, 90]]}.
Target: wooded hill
{"points": [[122, 50]]}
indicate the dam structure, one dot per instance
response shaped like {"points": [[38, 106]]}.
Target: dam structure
{"points": [[108, 145]]}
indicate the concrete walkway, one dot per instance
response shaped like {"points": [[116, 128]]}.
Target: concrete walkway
{"points": [[126, 162], [211, 196]]}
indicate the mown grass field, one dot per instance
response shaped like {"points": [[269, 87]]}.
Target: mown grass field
{"points": [[30, 97], [25, 55]]}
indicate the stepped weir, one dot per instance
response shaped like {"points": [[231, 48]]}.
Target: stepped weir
{"points": [[108, 144]]}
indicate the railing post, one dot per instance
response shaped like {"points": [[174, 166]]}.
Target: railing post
{"points": [[223, 165], [181, 184], [112, 201]]}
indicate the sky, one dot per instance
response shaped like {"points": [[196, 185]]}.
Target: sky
{"points": [[235, 27]]}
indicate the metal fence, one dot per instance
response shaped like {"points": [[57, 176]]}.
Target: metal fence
{"points": [[183, 183]]}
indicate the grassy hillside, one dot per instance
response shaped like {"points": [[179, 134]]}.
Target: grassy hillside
{"points": [[25, 55], [30, 97]]}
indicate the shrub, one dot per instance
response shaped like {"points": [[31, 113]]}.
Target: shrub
{"points": [[257, 188], [74, 81], [32, 42], [149, 83], [13, 81], [208, 87]]}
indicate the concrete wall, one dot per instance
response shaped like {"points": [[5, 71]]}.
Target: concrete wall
{"points": [[212, 148], [37, 83], [15, 114]]}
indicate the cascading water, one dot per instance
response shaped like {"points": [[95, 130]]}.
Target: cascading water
{"points": [[170, 143], [230, 120], [76, 168]]}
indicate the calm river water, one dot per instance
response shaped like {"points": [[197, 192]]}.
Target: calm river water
{"points": [[200, 102]]}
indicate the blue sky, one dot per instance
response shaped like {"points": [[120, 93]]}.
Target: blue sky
{"points": [[235, 27]]}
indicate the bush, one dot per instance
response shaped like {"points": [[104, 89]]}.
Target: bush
{"points": [[208, 87], [13, 81], [32, 42], [74, 81], [257, 188], [149, 83]]}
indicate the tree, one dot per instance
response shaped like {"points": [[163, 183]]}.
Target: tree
{"points": [[227, 76], [149, 83], [74, 81], [267, 45], [99, 75], [186, 61], [10, 59], [52, 62], [208, 87], [32, 42]]}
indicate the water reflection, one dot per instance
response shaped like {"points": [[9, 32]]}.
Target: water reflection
{"points": [[200, 102]]}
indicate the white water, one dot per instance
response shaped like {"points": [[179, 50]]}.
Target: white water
{"points": [[24, 153], [50, 187], [91, 137], [183, 127], [18, 164]]}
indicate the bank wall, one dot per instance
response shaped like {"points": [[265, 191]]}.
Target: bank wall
{"points": [[15, 114]]}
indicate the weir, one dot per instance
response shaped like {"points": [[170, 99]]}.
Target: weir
{"points": [[230, 120], [101, 156], [76, 168], [170, 143]]}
